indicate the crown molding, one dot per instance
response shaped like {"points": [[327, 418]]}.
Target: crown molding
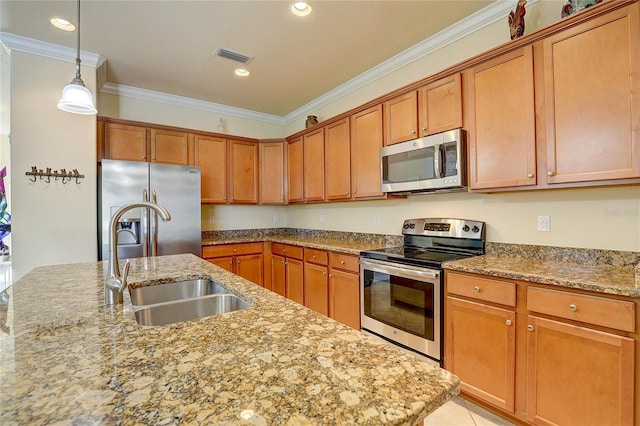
{"points": [[150, 95], [49, 50]]}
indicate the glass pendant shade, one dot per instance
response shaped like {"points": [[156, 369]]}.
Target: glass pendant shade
{"points": [[76, 98]]}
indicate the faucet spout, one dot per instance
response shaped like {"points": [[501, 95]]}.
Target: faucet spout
{"points": [[115, 282]]}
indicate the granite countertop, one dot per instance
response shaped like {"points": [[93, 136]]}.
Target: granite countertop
{"points": [[601, 278], [66, 358]]}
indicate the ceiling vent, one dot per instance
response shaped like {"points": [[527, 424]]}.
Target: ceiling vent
{"points": [[234, 56]]}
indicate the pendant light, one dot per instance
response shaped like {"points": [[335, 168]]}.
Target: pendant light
{"points": [[76, 98]]}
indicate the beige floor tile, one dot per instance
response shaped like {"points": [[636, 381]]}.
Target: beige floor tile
{"points": [[483, 417], [453, 413]]}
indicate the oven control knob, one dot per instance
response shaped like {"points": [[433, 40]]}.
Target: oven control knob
{"points": [[465, 228], [475, 228]]}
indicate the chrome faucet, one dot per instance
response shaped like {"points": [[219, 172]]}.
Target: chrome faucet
{"points": [[116, 283]]}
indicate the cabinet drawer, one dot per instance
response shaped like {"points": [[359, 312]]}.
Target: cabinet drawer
{"points": [[316, 256], [344, 262], [618, 314], [231, 250], [490, 290], [287, 250]]}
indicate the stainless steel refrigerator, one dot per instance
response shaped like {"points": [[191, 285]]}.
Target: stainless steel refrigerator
{"points": [[139, 231]]}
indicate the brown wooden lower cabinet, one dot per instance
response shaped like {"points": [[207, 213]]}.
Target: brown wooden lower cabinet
{"points": [[287, 271], [245, 259], [542, 355]]}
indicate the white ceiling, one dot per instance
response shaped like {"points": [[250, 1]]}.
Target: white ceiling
{"points": [[167, 46]]}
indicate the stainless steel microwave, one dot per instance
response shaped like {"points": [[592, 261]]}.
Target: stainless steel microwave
{"points": [[429, 164]]}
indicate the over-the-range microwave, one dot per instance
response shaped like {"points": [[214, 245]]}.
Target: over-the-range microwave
{"points": [[429, 164]]}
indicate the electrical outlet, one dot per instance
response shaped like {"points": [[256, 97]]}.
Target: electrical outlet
{"points": [[376, 219], [544, 224], [276, 218], [321, 218]]}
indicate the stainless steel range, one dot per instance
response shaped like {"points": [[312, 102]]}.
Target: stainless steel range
{"points": [[402, 287]]}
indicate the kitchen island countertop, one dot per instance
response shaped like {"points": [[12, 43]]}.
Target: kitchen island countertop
{"points": [[66, 358]]}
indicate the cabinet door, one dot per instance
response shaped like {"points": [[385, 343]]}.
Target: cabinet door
{"points": [[344, 298], [295, 280], [481, 349], [243, 169], [501, 125], [316, 288], [563, 359], [272, 172], [440, 105], [122, 142], [401, 118], [366, 142], [169, 147], [338, 160], [592, 99], [294, 171], [250, 267], [211, 157], [278, 274], [223, 262], [313, 170]]}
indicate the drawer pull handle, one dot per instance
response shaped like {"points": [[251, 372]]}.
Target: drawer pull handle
{"points": [[477, 289], [342, 262], [573, 307], [530, 327], [508, 322], [313, 256]]}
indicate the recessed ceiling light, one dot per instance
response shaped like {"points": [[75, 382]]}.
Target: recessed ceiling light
{"points": [[241, 72], [62, 24], [301, 8]]}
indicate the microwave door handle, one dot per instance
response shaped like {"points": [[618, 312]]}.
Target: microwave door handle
{"points": [[437, 161]]}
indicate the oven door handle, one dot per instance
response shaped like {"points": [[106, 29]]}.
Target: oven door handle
{"points": [[427, 273]]}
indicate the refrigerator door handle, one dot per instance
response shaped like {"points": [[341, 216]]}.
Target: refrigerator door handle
{"points": [[144, 225], [154, 225]]}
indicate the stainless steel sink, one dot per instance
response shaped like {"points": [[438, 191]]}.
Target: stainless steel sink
{"points": [[174, 291], [187, 310]]}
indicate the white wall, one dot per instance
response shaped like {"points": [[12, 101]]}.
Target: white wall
{"points": [[52, 223]]}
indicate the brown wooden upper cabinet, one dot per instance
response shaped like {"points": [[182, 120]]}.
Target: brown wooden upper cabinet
{"points": [[313, 165], [501, 121], [211, 157], [125, 142], [243, 172], [337, 148], [366, 142], [294, 171], [272, 176], [592, 99], [169, 147], [433, 108]]}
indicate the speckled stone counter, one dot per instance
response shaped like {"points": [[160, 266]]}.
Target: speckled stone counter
{"points": [[68, 359], [343, 242], [600, 271]]}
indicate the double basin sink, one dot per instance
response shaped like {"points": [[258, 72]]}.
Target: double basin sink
{"points": [[179, 301]]}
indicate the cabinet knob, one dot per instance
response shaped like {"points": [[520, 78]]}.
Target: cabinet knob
{"points": [[238, 261], [530, 327], [235, 250], [508, 322], [282, 261], [324, 274], [476, 289], [313, 256], [342, 262], [424, 129], [530, 175], [551, 173], [573, 307], [231, 198], [413, 132], [330, 275]]}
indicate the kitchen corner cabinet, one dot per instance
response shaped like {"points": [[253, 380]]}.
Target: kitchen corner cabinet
{"points": [[501, 121], [313, 165], [211, 157], [344, 289], [272, 172], [125, 142], [337, 146], [244, 259], [435, 107], [366, 142], [295, 160], [169, 147], [243, 172], [592, 99], [287, 274], [542, 355], [316, 280]]}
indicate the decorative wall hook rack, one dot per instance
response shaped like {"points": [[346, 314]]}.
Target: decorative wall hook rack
{"points": [[66, 176]]}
